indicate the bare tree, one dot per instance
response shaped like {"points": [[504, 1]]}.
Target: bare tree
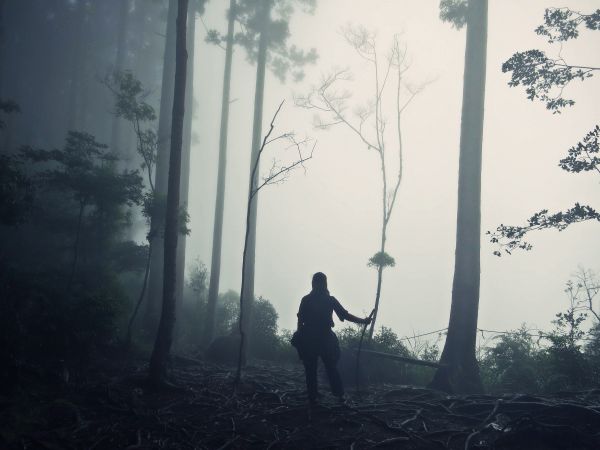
{"points": [[582, 290], [370, 124], [278, 173]]}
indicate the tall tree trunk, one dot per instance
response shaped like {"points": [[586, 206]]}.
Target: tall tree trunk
{"points": [[384, 223], [76, 245], [247, 294], [187, 146], [74, 121], [461, 373], [215, 267], [129, 335], [379, 280], [116, 134], [162, 172], [2, 46], [164, 337]]}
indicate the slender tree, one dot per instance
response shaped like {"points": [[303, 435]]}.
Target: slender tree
{"points": [[74, 119], [333, 106], [2, 44], [265, 41], [131, 106], [460, 371], [162, 166], [162, 169], [215, 267], [164, 337], [116, 138], [277, 174], [247, 292], [187, 145]]}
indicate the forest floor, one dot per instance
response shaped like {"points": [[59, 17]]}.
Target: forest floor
{"points": [[113, 410]]}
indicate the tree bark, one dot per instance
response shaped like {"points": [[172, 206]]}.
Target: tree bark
{"points": [[461, 373], [164, 337], [162, 171], [74, 120], [2, 46], [129, 335], [247, 294], [215, 267], [76, 244], [186, 152], [379, 283]]}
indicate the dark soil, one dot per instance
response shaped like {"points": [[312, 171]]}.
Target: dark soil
{"points": [[116, 410]]}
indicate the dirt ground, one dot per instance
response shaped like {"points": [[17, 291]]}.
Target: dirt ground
{"points": [[114, 410]]}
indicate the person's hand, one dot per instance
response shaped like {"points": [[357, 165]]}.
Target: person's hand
{"points": [[367, 320]]}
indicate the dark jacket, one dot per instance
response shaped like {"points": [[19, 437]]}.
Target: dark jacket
{"points": [[315, 315]]}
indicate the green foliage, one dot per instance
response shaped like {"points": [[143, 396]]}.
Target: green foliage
{"points": [[567, 365], [592, 353], [583, 157], [386, 340], [264, 342], [381, 259], [198, 278], [455, 12], [78, 208], [128, 256], [548, 362], [8, 107], [512, 237], [512, 364], [544, 78], [378, 370], [130, 97], [562, 24], [16, 193], [282, 59], [40, 324], [130, 104], [84, 169]]}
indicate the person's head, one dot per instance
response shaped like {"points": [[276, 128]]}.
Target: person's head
{"points": [[319, 282]]}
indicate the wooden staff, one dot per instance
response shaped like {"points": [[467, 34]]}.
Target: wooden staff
{"points": [[362, 336]]}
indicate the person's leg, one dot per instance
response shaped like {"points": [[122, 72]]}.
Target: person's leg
{"points": [[310, 368], [335, 380]]}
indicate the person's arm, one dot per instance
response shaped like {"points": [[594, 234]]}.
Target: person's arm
{"points": [[345, 315], [352, 318]]}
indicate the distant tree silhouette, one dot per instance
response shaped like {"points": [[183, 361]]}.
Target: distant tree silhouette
{"points": [[215, 266], [83, 170], [264, 36]]}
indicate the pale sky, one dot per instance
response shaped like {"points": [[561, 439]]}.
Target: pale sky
{"points": [[329, 218]]}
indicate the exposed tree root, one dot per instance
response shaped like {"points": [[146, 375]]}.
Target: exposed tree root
{"points": [[269, 410]]}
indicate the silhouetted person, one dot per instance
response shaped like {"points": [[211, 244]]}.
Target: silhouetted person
{"points": [[316, 339]]}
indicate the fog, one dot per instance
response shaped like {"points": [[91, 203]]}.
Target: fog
{"points": [[328, 218]]}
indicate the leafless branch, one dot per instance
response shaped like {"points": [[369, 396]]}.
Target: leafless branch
{"points": [[279, 172]]}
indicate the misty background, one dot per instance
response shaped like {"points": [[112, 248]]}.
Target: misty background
{"points": [[328, 219]]}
